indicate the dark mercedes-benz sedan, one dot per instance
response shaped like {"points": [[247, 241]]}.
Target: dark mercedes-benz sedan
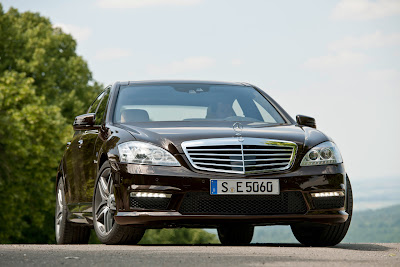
{"points": [[157, 154]]}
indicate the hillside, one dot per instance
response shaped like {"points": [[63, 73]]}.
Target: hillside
{"points": [[368, 226]]}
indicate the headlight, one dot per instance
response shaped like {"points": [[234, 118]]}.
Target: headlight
{"points": [[322, 154], [145, 153]]}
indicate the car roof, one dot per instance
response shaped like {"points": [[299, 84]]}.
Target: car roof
{"points": [[183, 81]]}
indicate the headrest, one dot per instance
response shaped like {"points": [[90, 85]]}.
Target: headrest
{"points": [[219, 111], [134, 115]]}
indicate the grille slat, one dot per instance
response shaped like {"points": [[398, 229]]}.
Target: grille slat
{"points": [[267, 149], [264, 165], [215, 154], [204, 203], [238, 155], [224, 165], [216, 159], [209, 149], [283, 154], [239, 160], [273, 159], [235, 155]]}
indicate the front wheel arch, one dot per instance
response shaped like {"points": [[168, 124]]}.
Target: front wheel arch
{"points": [[320, 235], [119, 234], [103, 158]]}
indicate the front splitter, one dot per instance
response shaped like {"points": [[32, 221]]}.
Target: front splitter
{"points": [[174, 217]]}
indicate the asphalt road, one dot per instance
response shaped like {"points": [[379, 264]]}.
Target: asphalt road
{"points": [[200, 255]]}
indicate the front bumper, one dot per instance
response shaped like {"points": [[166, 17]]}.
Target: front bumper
{"points": [[179, 181]]}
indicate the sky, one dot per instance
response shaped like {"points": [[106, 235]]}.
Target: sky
{"points": [[337, 61]]}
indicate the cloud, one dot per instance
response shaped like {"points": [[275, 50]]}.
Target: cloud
{"points": [[78, 32], [391, 76], [376, 39], [144, 3], [186, 65], [112, 53], [339, 60], [236, 62], [365, 9]]}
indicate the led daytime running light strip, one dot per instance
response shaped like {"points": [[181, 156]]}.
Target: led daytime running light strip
{"points": [[328, 194], [148, 194]]}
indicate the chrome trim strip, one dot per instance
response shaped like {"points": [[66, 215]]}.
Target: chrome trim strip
{"points": [[190, 146], [153, 187], [146, 213]]}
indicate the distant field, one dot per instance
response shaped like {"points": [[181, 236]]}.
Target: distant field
{"points": [[376, 193]]}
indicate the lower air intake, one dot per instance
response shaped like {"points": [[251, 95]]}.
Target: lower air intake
{"points": [[328, 202], [204, 203], [151, 203]]}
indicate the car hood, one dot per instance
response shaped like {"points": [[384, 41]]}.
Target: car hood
{"points": [[170, 135]]}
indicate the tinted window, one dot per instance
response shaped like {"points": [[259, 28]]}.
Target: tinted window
{"points": [[101, 109], [93, 106], [188, 102]]}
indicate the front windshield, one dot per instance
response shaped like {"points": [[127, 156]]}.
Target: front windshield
{"points": [[193, 102]]}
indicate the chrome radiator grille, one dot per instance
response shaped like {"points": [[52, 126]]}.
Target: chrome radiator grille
{"points": [[234, 155]]}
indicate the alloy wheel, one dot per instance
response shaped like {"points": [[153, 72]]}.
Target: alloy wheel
{"points": [[105, 203], [59, 211]]}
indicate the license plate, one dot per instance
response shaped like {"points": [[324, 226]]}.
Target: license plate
{"points": [[244, 187]]}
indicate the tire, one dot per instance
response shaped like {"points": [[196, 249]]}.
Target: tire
{"points": [[67, 232], [104, 209], [320, 235], [235, 234]]}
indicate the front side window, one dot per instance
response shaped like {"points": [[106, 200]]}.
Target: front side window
{"points": [[101, 109], [193, 102], [93, 106]]}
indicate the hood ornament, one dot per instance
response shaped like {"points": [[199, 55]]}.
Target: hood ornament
{"points": [[238, 128]]}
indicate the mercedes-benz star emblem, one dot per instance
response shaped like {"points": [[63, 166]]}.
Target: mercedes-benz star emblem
{"points": [[238, 127]]}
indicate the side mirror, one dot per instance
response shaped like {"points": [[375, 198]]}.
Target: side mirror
{"points": [[84, 122], [306, 121]]}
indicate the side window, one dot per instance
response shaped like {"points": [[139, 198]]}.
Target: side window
{"points": [[93, 106], [101, 109]]}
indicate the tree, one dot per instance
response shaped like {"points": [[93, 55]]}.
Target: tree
{"points": [[31, 135], [43, 85], [31, 45]]}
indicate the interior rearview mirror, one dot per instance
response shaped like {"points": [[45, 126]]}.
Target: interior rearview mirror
{"points": [[306, 121], [84, 122]]}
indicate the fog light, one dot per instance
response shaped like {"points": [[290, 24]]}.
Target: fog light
{"points": [[150, 194], [328, 194]]}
